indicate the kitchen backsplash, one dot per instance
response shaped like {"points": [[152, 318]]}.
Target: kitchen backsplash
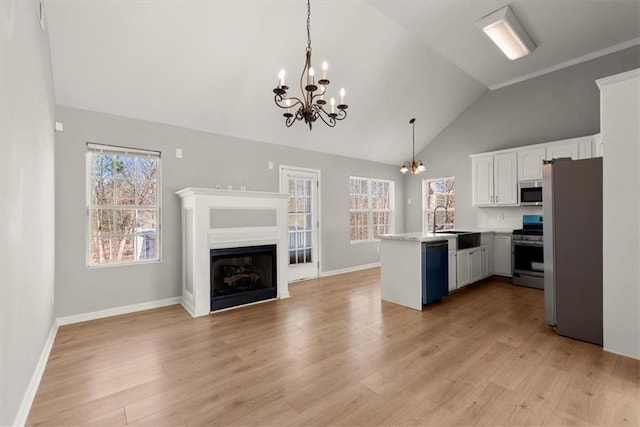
{"points": [[505, 218]]}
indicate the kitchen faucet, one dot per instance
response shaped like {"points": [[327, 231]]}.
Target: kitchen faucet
{"points": [[434, 215]]}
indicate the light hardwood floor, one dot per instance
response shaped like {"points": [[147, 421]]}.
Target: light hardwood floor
{"points": [[333, 354]]}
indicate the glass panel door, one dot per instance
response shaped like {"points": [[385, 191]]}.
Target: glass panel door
{"points": [[302, 222]]}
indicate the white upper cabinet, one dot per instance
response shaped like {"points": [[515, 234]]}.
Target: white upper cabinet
{"points": [[576, 148], [598, 146], [530, 164], [505, 167], [495, 179], [482, 167], [563, 149], [495, 175]]}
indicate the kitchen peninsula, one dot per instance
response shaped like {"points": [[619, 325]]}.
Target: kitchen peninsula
{"points": [[401, 259], [415, 265]]}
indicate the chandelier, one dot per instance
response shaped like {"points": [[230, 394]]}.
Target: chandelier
{"points": [[413, 167], [311, 105]]}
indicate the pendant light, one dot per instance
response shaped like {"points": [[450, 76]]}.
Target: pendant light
{"points": [[413, 166]]}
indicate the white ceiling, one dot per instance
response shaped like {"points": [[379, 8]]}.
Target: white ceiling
{"points": [[212, 65]]}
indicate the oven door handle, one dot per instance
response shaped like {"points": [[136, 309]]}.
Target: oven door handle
{"points": [[526, 243]]}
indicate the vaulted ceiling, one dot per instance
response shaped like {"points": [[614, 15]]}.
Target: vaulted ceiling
{"points": [[212, 65]]}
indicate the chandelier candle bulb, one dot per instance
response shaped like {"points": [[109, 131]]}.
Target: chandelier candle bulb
{"points": [[325, 69], [311, 79], [281, 78], [342, 93], [333, 105]]}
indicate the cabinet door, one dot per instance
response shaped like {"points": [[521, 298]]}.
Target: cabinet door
{"points": [[453, 267], [485, 261], [599, 148], [463, 268], [559, 149], [505, 178], [503, 255], [491, 255], [586, 148], [482, 180], [530, 164], [475, 264]]}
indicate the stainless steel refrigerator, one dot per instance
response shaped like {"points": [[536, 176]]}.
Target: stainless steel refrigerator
{"points": [[572, 205]]}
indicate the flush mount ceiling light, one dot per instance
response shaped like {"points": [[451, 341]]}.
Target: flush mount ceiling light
{"points": [[413, 167], [309, 107], [504, 29]]}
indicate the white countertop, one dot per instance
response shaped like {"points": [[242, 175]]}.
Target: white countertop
{"points": [[418, 237], [429, 237]]}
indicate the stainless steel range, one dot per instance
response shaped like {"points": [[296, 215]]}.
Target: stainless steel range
{"points": [[528, 253]]}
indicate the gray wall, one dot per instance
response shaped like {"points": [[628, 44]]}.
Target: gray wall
{"points": [[26, 203], [208, 160], [559, 105]]}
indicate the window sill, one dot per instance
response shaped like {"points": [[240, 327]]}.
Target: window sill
{"points": [[359, 242], [123, 264]]}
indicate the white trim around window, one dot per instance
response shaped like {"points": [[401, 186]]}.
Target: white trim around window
{"points": [[123, 206], [426, 209], [367, 210]]}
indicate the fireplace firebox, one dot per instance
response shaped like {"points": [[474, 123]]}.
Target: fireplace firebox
{"points": [[242, 275]]}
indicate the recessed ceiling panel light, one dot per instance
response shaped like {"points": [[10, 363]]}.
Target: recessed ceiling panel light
{"points": [[504, 29]]}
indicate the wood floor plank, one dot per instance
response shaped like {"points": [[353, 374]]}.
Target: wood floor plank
{"points": [[335, 354]]}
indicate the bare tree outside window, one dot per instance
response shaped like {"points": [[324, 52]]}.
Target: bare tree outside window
{"points": [[370, 213], [123, 205], [439, 192]]}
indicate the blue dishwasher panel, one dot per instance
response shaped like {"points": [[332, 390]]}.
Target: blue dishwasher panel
{"points": [[435, 271]]}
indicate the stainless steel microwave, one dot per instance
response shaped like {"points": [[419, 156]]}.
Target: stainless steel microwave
{"points": [[530, 193]]}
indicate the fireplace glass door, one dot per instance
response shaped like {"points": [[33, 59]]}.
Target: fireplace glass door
{"points": [[242, 275]]}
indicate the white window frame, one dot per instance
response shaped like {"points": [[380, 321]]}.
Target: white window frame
{"points": [[370, 211], [116, 150], [425, 226]]}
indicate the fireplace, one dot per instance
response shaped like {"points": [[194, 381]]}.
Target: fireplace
{"points": [[224, 221], [242, 275]]}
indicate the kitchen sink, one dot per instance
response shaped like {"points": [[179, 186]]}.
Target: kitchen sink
{"points": [[465, 239]]}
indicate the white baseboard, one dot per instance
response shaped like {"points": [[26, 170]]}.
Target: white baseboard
{"points": [[349, 269], [188, 307], [34, 383], [621, 354], [118, 310]]}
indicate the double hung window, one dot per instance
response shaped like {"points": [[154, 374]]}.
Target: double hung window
{"points": [[371, 210], [123, 205]]}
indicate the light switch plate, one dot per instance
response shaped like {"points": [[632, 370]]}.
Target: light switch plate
{"points": [[178, 153]]}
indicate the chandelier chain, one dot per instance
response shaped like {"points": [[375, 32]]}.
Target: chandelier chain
{"points": [[308, 24]]}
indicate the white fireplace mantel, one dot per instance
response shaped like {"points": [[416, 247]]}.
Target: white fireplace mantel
{"points": [[212, 219]]}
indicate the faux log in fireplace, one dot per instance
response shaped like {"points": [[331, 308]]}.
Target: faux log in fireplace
{"points": [[242, 275]]}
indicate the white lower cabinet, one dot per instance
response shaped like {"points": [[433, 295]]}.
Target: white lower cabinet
{"points": [[453, 267], [469, 266], [485, 261], [475, 264], [503, 255], [463, 268], [488, 254]]}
